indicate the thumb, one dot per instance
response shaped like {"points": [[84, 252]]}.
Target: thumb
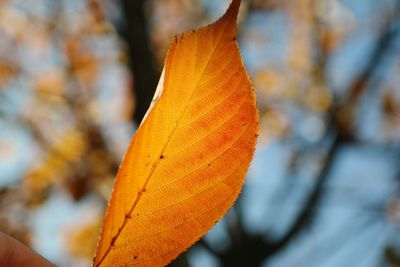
{"points": [[14, 253]]}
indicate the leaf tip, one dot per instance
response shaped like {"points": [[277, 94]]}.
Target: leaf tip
{"points": [[233, 11], [230, 17]]}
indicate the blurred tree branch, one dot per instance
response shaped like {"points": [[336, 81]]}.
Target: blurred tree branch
{"points": [[141, 57], [341, 131], [392, 257]]}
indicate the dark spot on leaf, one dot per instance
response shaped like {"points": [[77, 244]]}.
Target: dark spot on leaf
{"points": [[161, 156], [209, 164], [135, 257]]}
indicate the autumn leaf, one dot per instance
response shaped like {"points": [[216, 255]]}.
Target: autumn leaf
{"points": [[186, 164]]}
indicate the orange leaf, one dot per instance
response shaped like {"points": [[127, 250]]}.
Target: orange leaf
{"points": [[186, 164]]}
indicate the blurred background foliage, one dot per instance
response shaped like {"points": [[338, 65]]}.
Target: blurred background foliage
{"points": [[76, 77]]}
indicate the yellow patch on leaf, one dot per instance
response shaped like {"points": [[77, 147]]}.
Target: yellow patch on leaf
{"points": [[186, 164]]}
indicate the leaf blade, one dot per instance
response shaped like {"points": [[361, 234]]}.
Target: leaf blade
{"points": [[186, 164]]}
